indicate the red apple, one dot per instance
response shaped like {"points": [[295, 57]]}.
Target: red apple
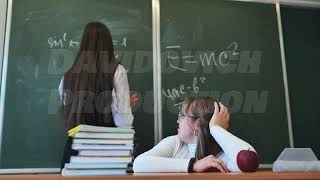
{"points": [[247, 161]]}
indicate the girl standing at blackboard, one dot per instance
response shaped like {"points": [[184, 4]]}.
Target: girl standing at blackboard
{"points": [[202, 143], [95, 89]]}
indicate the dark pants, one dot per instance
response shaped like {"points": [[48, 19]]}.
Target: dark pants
{"points": [[68, 152]]}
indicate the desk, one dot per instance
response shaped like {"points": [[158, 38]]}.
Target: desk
{"points": [[171, 176]]}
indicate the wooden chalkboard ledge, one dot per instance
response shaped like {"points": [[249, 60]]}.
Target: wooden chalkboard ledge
{"points": [[172, 176]]}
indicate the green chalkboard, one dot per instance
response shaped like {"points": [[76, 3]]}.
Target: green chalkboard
{"points": [[301, 27], [43, 42], [230, 51]]}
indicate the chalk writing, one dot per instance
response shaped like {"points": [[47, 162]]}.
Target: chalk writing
{"points": [[177, 92], [66, 41]]}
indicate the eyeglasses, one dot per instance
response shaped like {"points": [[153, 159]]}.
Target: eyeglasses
{"points": [[181, 115]]}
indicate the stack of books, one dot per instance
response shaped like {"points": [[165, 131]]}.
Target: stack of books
{"points": [[101, 151]]}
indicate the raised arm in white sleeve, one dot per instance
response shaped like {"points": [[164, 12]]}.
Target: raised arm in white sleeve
{"points": [[121, 109], [159, 158], [231, 146]]}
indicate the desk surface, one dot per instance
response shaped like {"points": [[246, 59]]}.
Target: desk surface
{"points": [[171, 176]]}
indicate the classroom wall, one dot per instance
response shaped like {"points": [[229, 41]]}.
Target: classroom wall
{"points": [[3, 14]]}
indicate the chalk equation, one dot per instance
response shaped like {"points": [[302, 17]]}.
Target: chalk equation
{"points": [[65, 41], [182, 89], [228, 60]]}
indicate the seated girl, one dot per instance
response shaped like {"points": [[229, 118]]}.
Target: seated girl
{"points": [[202, 143]]}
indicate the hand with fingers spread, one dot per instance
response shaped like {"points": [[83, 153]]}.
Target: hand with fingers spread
{"points": [[209, 162], [220, 117]]}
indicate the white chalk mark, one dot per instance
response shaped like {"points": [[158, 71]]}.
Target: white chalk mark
{"points": [[225, 57], [178, 104], [173, 47], [202, 79], [124, 42], [187, 57], [73, 43], [191, 62], [235, 44], [173, 57], [176, 67], [65, 36]]}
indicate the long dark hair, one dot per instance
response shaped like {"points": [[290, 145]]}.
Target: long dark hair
{"points": [[88, 84], [202, 108]]}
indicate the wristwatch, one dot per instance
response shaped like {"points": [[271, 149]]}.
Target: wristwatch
{"points": [[191, 163]]}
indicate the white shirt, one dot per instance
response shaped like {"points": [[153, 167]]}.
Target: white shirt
{"points": [[192, 149], [120, 107], [173, 155]]}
